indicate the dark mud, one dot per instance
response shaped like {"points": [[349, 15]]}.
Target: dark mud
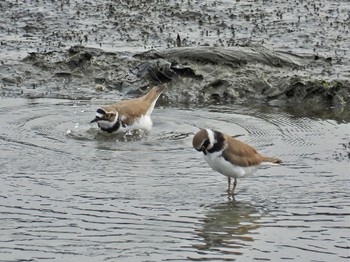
{"points": [[280, 52]]}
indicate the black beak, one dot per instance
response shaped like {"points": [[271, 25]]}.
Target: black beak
{"points": [[94, 120]]}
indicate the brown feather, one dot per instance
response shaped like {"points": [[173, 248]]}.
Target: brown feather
{"points": [[272, 160], [134, 108], [242, 154], [199, 138], [153, 94], [239, 153]]}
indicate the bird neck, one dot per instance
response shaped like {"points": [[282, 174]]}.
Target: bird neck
{"points": [[219, 142]]}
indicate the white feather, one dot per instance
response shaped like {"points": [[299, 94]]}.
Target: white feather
{"points": [[144, 122], [212, 139], [217, 162], [99, 115]]}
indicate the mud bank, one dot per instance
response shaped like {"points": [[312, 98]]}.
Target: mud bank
{"points": [[239, 73], [286, 53], [195, 75]]}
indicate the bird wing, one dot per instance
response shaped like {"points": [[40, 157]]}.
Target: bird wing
{"points": [[129, 110], [239, 153]]}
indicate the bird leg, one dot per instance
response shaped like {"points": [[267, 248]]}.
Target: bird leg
{"points": [[229, 190], [229, 185], [234, 185]]}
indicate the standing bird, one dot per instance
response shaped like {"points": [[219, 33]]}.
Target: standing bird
{"points": [[128, 114], [229, 156]]}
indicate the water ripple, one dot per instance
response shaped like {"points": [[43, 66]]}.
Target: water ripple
{"points": [[70, 191]]}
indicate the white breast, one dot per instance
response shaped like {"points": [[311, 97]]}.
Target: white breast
{"points": [[219, 164], [144, 122]]}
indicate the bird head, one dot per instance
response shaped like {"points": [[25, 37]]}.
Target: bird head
{"points": [[105, 118], [203, 140]]}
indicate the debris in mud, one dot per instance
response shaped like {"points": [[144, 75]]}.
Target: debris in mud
{"points": [[343, 155]]}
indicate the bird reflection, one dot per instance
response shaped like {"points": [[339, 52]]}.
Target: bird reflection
{"points": [[229, 227]]}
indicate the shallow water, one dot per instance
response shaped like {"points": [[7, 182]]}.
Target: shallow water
{"points": [[71, 193]]}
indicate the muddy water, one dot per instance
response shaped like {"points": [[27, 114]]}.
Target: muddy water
{"points": [[71, 193]]}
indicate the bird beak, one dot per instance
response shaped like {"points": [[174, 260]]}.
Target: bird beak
{"points": [[94, 120]]}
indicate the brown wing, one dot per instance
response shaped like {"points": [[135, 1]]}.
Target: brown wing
{"points": [[239, 153], [128, 110]]}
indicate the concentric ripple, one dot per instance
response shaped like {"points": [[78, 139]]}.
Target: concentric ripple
{"points": [[71, 193]]}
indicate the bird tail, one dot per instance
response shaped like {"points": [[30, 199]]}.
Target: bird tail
{"points": [[154, 93], [152, 96], [271, 160]]}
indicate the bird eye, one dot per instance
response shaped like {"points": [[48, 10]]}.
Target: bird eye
{"points": [[107, 115], [205, 144]]}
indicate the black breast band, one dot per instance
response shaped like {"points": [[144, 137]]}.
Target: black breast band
{"points": [[112, 129]]}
